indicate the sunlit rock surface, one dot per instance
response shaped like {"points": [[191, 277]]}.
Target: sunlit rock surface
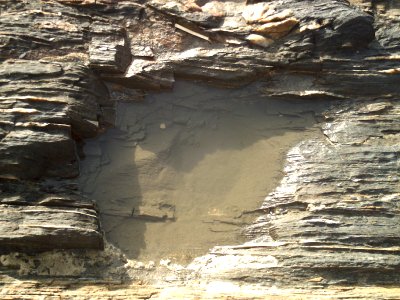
{"points": [[332, 221]]}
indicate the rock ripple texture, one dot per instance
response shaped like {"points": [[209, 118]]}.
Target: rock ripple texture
{"points": [[333, 220]]}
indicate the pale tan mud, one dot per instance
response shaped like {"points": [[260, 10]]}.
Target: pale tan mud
{"points": [[180, 172]]}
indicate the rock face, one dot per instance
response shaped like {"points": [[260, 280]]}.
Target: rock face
{"points": [[45, 108], [333, 220], [340, 220], [44, 105]]}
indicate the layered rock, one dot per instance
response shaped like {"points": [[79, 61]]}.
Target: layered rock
{"points": [[45, 108], [334, 218]]}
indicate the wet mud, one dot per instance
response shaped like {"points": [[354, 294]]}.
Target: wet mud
{"points": [[182, 171]]}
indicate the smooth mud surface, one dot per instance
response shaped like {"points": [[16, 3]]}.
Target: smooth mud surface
{"points": [[182, 171]]}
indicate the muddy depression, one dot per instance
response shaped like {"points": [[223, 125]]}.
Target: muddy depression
{"points": [[182, 171]]}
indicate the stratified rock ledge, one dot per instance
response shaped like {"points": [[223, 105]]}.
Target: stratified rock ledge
{"points": [[333, 220]]}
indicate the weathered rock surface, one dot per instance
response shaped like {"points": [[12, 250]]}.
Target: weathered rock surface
{"points": [[109, 49], [333, 220], [336, 206], [45, 108]]}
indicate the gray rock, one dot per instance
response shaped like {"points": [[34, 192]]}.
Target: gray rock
{"points": [[109, 49], [47, 228], [333, 220], [45, 107]]}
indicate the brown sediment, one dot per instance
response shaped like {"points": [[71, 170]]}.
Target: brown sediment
{"points": [[176, 175]]}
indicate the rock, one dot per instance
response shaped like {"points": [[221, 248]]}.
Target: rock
{"points": [[189, 11], [142, 51], [154, 214], [257, 12], [44, 105], [280, 16], [192, 6], [263, 13], [65, 28], [214, 8], [259, 40], [333, 220], [109, 50], [314, 222], [388, 33], [51, 149], [145, 74], [39, 121], [277, 29], [120, 93], [46, 228]]}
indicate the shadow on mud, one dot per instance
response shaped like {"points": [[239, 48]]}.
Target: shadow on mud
{"points": [[176, 174]]}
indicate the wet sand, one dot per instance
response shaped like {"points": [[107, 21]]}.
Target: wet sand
{"points": [[174, 177]]}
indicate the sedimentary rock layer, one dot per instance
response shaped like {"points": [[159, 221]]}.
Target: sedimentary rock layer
{"points": [[334, 218], [337, 206], [45, 108]]}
